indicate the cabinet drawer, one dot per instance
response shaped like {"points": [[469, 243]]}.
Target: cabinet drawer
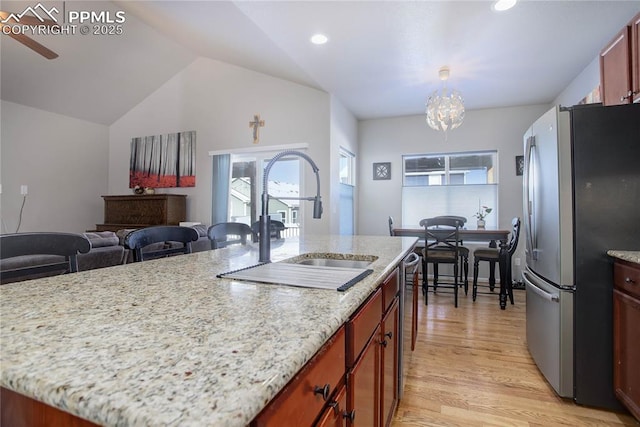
{"points": [[336, 414], [626, 277], [362, 325], [298, 404], [389, 290]]}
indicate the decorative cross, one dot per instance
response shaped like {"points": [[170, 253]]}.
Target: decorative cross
{"points": [[256, 124]]}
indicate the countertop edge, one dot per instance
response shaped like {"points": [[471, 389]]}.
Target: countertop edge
{"points": [[630, 256]]}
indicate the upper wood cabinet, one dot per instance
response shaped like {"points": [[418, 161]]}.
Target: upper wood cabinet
{"points": [[619, 66], [635, 58]]}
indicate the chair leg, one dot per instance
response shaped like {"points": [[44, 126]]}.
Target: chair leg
{"points": [[435, 277], [475, 279], [425, 283], [455, 284], [466, 275], [509, 283], [424, 275], [492, 275]]}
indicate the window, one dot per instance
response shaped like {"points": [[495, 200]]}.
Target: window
{"points": [[347, 167], [347, 183], [449, 184]]}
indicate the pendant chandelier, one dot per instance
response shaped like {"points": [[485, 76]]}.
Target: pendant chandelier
{"points": [[445, 107]]}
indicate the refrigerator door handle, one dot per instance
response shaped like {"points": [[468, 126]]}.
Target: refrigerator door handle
{"points": [[529, 211], [540, 292]]}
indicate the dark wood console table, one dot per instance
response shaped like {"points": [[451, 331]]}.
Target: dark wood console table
{"points": [[138, 211]]}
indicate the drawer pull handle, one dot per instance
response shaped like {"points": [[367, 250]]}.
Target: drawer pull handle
{"points": [[389, 335], [629, 280], [383, 343], [323, 391], [333, 404], [351, 416]]}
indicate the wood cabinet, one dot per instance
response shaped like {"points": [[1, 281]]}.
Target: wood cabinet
{"points": [[138, 211], [372, 377], [389, 365], [626, 335], [353, 379], [312, 389], [336, 414], [620, 66], [19, 410]]}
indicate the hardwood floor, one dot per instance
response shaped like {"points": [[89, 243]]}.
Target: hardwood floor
{"points": [[471, 367]]}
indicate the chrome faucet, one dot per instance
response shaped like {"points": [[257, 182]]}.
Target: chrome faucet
{"points": [[265, 221]]}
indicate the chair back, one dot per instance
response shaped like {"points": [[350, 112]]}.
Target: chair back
{"points": [[67, 245], [139, 239], [228, 233], [391, 232], [515, 236], [442, 234], [276, 227], [462, 219]]}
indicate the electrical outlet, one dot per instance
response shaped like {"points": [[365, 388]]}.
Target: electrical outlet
{"points": [[24, 190], [516, 261]]}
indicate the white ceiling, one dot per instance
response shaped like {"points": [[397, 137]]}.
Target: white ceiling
{"points": [[382, 58]]}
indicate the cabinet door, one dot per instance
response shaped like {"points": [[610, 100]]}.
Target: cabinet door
{"points": [[626, 350], [615, 69], [635, 58], [389, 368], [364, 383], [336, 413]]}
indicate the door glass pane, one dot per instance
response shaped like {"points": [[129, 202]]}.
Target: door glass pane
{"points": [[243, 192], [284, 182]]}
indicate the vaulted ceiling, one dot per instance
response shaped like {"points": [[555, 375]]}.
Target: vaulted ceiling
{"points": [[382, 58]]}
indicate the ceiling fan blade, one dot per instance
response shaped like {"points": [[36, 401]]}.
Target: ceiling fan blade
{"points": [[34, 45], [26, 40]]}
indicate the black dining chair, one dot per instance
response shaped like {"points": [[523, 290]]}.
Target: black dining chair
{"points": [[492, 256], [228, 233], [442, 246], [177, 240], [277, 227], [58, 251], [464, 254]]}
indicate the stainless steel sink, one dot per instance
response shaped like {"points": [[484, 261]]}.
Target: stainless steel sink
{"points": [[321, 259], [329, 262]]}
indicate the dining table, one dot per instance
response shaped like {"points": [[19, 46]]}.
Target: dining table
{"points": [[495, 237]]}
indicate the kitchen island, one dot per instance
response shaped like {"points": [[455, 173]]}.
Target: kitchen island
{"points": [[165, 342]]}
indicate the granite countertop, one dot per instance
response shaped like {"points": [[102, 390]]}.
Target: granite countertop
{"points": [[631, 256], [166, 343]]}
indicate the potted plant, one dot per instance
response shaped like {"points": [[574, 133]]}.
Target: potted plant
{"points": [[482, 213]]}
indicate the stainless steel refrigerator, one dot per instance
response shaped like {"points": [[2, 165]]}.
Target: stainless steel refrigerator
{"points": [[581, 187]]}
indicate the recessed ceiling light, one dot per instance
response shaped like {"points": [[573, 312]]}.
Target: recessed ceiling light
{"points": [[319, 39], [502, 5]]}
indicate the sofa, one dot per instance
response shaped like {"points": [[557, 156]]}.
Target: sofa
{"points": [[105, 252], [107, 249]]}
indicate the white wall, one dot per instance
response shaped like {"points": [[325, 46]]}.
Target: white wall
{"points": [[218, 100], [62, 160], [386, 140], [344, 133], [581, 85]]}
